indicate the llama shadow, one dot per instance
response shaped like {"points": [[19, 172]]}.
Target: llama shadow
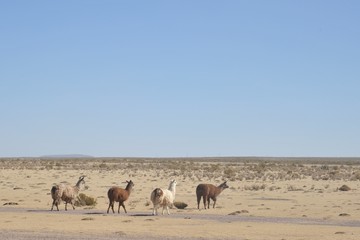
{"points": [[141, 215]]}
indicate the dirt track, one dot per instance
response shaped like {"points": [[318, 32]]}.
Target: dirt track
{"points": [[25, 235], [209, 217]]}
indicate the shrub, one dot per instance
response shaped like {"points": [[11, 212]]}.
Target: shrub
{"points": [[255, 187], [356, 175], [344, 188], [324, 167], [180, 205], [293, 188], [229, 172], [83, 200]]}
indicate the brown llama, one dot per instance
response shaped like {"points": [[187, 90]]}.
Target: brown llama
{"points": [[208, 191], [116, 194]]}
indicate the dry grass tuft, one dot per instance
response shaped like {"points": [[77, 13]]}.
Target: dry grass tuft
{"points": [[180, 205], [344, 188], [255, 187], [84, 200]]}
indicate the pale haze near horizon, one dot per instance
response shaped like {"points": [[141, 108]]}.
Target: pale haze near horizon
{"points": [[180, 79]]}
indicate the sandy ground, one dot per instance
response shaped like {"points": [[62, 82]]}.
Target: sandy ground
{"points": [[284, 209]]}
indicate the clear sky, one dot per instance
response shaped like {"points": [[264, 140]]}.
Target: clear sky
{"points": [[180, 78]]}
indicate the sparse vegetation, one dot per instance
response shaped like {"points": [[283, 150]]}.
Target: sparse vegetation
{"points": [[206, 169]]}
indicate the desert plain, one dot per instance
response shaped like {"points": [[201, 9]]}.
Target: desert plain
{"points": [[267, 198]]}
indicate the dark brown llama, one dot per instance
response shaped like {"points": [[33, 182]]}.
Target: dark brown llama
{"points": [[116, 194], [208, 191]]}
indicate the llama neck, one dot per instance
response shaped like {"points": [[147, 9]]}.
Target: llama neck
{"points": [[222, 186], [128, 188], [219, 190], [172, 189], [77, 186]]}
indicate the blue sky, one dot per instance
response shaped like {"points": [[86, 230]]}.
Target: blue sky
{"points": [[180, 78]]}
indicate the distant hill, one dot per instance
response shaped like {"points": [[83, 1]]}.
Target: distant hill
{"points": [[67, 156]]}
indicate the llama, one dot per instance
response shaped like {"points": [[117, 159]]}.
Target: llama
{"points": [[208, 191], [163, 198], [66, 193], [116, 194]]}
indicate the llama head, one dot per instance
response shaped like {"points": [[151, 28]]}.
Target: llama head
{"points": [[130, 184], [81, 182], [172, 185], [224, 185]]}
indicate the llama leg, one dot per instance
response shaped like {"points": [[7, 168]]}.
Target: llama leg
{"points": [[109, 207], [154, 209], [208, 200], [56, 203], [214, 202], [168, 211], [204, 200], [119, 207], [65, 206], [198, 201], [112, 207], [122, 204]]}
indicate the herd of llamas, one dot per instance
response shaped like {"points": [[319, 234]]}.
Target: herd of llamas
{"points": [[159, 197]]}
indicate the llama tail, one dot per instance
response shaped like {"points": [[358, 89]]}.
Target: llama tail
{"points": [[54, 189], [156, 194]]}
